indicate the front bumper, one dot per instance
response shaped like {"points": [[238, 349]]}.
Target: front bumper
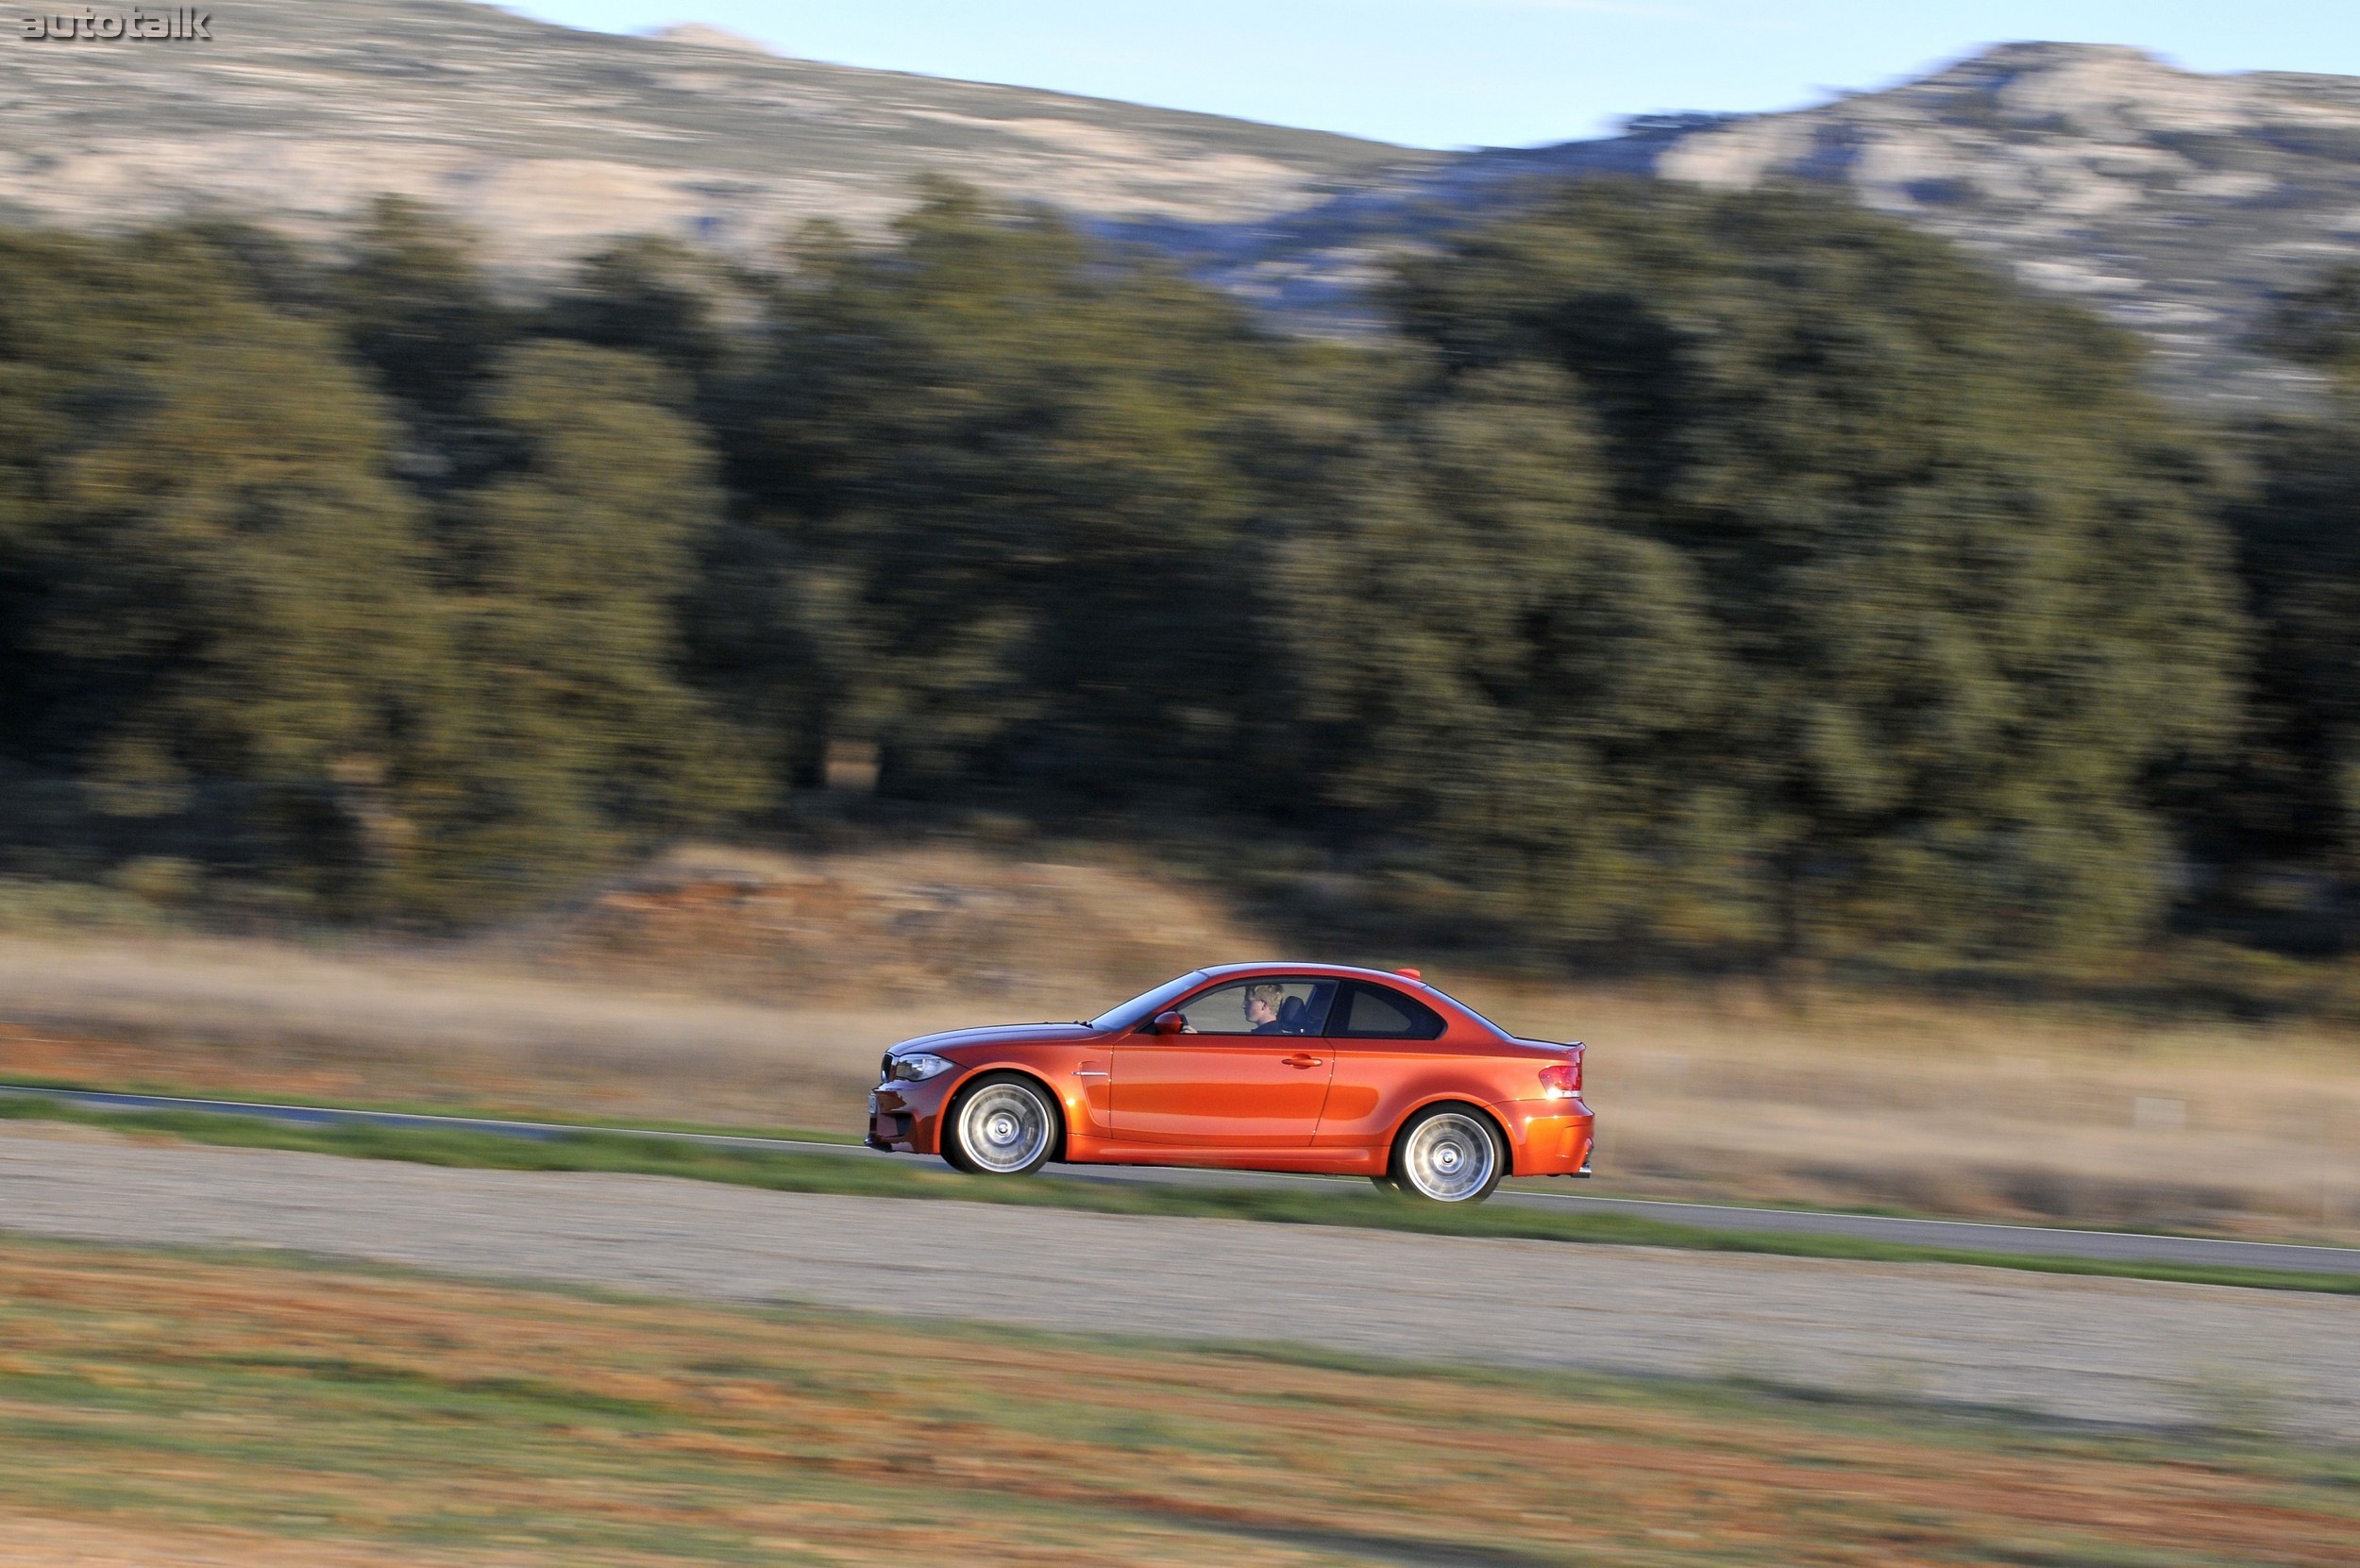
{"points": [[1551, 1138], [907, 1116]]}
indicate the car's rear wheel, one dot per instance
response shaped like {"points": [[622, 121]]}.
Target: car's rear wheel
{"points": [[1449, 1154], [1001, 1125]]}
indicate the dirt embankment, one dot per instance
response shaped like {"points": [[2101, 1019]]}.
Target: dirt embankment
{"points": [[891, 927]]}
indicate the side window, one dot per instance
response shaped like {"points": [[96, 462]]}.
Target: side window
{"points": [[1381, 1013], [1276, 1007]]}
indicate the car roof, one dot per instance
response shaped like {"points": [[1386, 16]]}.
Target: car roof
{"points": [[1349, 972], [1449, 1004]]}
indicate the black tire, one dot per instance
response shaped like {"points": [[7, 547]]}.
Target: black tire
{"points": [[1449, 1153], [1387, 1182], [1002, 1125]]}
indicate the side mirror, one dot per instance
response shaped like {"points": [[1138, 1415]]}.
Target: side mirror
{"points": [[1169, 1023]]}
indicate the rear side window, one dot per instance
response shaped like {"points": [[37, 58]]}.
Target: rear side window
{"points": [[1378, 1012]]}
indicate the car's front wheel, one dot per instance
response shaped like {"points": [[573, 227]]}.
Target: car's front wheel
{"points": [[1001, 1125], [1449, 1154]]}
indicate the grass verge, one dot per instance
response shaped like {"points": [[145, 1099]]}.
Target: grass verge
{"points": [[459, 1109], [833, 1174], [269, 1414]]}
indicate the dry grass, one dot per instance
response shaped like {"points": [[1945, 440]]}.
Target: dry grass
{"points": [[1959, 1111], [256, 1018], [171, 1411], [730, 986], [757, 991]]}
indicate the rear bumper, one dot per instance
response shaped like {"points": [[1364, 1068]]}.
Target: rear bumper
{"points": [[1550, 1138]]}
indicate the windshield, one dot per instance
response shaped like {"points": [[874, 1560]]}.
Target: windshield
{"points": [[1148, 1003]]}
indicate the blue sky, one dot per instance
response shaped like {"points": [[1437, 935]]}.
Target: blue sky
{"points": [[1455, 73]]}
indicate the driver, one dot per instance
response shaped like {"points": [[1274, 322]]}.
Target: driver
{"points": [[1262, 1007]]}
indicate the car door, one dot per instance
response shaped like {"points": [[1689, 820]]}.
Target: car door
{"points": [[1388, 1056], [1251, 1074]]}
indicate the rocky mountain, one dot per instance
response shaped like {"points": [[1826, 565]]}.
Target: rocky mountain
{"points": [[2173, 201], [548, 139]]}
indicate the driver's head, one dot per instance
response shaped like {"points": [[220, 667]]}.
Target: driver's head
{"points": [[1261, 1003]]}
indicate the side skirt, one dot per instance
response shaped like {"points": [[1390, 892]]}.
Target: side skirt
{"points": [[1332, 1162]]}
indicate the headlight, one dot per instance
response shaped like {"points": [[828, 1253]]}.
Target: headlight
{"points": [[917, 1066]]}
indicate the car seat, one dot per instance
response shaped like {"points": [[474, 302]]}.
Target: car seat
{"points": [[1293, 1015]]}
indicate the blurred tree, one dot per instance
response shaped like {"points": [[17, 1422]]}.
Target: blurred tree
{"points": [[2290, 800], [1514, 694], [2295, 795], [214, 585], [574, 738], [1961, 559], [224, 616], [1710, 572], [272, 269], [1006, 463], [417, 305], [649, 296], [417, 308], [2318, 324]]}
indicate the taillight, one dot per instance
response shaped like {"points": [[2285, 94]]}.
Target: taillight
{"points": [[1562, 1080]]}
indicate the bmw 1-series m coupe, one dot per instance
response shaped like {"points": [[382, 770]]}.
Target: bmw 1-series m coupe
{"points": [[1251, 1066]]}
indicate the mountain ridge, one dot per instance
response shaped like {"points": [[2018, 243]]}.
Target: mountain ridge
{"points": [[550, 138], [2173, 202]]}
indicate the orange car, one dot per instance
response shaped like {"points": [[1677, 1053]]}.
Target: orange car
{"points": [[1251, 1066]]}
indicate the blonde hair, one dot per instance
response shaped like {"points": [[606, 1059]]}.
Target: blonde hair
{"points": [[1265, 992]]}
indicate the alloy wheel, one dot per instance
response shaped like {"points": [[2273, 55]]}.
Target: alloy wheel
{"points": [[1450, 1157], [1003, 1129]]}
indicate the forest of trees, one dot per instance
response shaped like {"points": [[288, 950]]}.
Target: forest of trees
{"points": [[1714, 578]]}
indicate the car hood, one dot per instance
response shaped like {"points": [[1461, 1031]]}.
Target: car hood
{"points": [[1004, 1034]]}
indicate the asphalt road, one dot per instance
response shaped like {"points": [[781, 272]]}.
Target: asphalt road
{"points": [[1956, 1234], [2110, 1350]]}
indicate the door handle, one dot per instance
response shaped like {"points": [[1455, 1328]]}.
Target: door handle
{"points": [[1302, 1061]]}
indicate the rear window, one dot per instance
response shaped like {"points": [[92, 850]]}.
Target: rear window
{"points": [[1380, 1013], [1469, 1012]]}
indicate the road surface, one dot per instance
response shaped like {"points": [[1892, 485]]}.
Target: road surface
{"points": [[2108, 1350]]}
